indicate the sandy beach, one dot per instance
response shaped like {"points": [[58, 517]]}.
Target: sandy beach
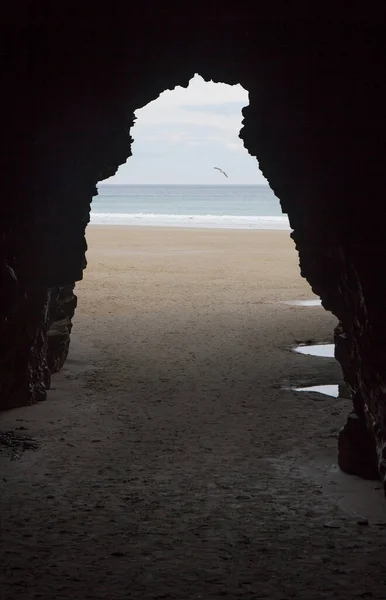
{"points": [[172, 460]]}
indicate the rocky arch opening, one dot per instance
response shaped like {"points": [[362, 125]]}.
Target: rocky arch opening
{"points": [[168, 122], [195, 367], [177, 140], [256, 213], [142, 251]]}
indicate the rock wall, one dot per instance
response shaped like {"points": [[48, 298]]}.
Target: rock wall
{"points": [[62, 309], [357, 453], [315, 122], [34, 343], [23, 349]]}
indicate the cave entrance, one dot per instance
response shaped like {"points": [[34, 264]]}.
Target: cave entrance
{"points": [[188, 264], [189, 167]]}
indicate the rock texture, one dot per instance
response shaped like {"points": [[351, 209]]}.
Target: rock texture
{"points": [[24, 371], [72, 80], [62, 310], [356, 446]]}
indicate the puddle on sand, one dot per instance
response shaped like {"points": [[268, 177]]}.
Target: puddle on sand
{"points": [[327, 390], [317, 302], [326, 350]]}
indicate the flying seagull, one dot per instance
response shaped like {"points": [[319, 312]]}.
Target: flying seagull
{"points": [[221, 171]]}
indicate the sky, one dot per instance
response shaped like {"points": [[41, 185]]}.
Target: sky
{"points": [[184, 133]]}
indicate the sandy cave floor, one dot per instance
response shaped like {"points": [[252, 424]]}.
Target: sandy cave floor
{"points": [[171, 463]]}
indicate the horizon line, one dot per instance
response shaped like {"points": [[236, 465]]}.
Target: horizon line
{"points": [[191, 184]]}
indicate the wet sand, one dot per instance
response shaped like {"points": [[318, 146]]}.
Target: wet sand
{"points": [[172, 463]]}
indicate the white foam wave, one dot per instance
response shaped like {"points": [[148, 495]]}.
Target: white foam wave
{"points": [[205, 221]]}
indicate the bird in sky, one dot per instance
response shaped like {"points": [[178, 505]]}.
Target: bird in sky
{"points": [[221, 171]]}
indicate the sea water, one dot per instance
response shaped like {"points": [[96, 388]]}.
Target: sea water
{"points": [[212, 206]]}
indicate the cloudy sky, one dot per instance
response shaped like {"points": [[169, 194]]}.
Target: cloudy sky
{"points": [[183, 134]]}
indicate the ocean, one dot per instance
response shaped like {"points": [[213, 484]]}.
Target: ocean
{"points": [[212, 206]]}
